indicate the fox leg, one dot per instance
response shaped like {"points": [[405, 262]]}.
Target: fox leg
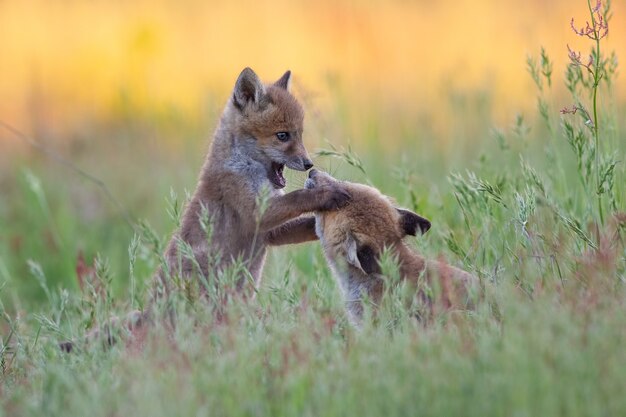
{"points": [[295, 231], [295, 203]]}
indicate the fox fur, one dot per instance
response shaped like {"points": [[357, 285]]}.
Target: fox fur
{"points": [[259, 133], [354, 236]]}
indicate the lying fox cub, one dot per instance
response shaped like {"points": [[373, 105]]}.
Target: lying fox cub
{"points": [[354, 236]]}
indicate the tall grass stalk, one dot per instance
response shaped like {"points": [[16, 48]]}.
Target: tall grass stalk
{"points": [[596, 71]]}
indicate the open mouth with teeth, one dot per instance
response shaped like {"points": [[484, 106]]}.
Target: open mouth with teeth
{"points": [[276, 176]]}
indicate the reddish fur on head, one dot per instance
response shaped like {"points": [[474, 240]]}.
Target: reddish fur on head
{"points": [[354, 237], [370, 218], [259, 116]]}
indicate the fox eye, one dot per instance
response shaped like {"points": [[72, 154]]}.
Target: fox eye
{"points": [[282, 136]]}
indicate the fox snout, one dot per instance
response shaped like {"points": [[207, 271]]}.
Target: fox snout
{"points": [[299, 159], [310, 182], [318, 178], [300, 163]]}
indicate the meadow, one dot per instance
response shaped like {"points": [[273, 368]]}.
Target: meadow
{"points": [[532, 202]]}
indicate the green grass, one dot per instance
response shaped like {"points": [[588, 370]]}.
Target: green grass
{"points": [[518, 207]]}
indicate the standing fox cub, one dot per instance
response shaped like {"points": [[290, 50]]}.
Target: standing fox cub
{"points": [[354, 237], [259, 133]]}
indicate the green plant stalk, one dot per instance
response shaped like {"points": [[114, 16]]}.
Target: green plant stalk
{"points": [[596, 82]]}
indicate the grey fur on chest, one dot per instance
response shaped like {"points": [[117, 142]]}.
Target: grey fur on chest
{"points": [[243, 163], [342, 275], [319, 227], [353, 287]]}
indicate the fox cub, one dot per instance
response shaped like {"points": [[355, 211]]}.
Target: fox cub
{"points": [[259, 134], [353, 238]]}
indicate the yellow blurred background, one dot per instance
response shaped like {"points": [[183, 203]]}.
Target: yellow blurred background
{"points": [[63, 63]]}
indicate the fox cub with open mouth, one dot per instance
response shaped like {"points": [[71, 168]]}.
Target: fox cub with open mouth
{"points": [[354, 237], [259, 134]]}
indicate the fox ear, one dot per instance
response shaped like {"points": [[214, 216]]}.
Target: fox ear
{"points": [[285, 81], [248, 88], [352, 256], [411, 223]]}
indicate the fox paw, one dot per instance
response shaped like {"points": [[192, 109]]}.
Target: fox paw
{"points": [[334, 198]]}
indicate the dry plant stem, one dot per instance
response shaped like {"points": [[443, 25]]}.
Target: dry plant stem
{"points": [[596, 82]]}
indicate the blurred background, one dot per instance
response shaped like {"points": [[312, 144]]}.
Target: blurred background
{"points": [[129, 93]]}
